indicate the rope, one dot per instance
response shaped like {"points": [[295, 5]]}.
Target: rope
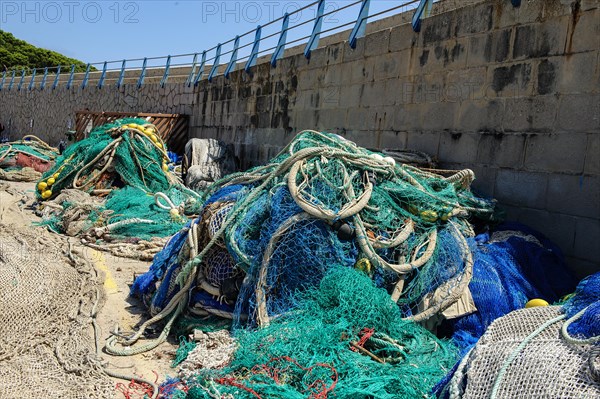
{"points": [[572, 340]]}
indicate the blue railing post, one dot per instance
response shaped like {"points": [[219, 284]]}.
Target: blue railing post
{"points": [[200, 69], [190, 77], [313, 42], [103, 76], [3, 80], [56, 78], [43, 84], [233, 60], [361, 23], [32, 81], [163, 81], [121, 75], [21, 81], [12, 80], [86, 77], [140, 82], [421, 12], [254, 53], [215, 65], [282, 40], [71, 76]]}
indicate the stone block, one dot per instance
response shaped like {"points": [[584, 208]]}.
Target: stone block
{"points": [[358, 119], [359, 71], [579, 113], [481, 116], [407, 117], [437, 29], [391, 139], [560, 229], [567, 75], [489, 47], [374, 94], [592, 156], [333, 120], [584, 31], [531, 114], [574, 195], [501, 150], [519, 188], [351, 95], [353, 54], [509, 80], [402, 37], [475, 18], [556, 153], [540, 39], [587, 238], [377, 43], [428, 142], [458, 148], [389, 66], [582, 268]]}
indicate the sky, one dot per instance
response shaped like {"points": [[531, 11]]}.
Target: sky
{"points": [[95, 31]]}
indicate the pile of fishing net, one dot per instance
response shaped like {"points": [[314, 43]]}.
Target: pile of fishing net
{"points": [[551, 352], [266, 241], [26, 159], [115, 188], [49, 297]]}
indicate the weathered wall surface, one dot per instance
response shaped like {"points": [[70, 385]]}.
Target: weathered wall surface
{"points": [[512, 93]]}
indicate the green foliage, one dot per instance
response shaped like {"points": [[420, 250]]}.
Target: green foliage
{"points": [[18, 54]]}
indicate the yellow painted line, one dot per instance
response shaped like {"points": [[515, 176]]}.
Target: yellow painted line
{"points": [[110, 285]]}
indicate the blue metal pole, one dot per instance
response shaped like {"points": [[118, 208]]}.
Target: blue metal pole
{"points": [[86, 77], [190, 77], [3, 80], [163, 81], [103, 76], [12, 80], [140, 82], [56, 78], [313, 42], [122, 74], [254, 53], [215, 66], [282, 40], [421, 12], [43, 84], [200, 69], [32, 81], [21, 81], [233, 60], [361, 23]]}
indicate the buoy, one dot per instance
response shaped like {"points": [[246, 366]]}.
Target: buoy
{"points": [[153, 138], [174, 213], [345, 232], [47, 194], [42, 186], [55, 176], [534, 303], [165, 167], [364, 265], [51, 181], [429, 216]]}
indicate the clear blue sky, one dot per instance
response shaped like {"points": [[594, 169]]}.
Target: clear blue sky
{"points": [[94, 31]]}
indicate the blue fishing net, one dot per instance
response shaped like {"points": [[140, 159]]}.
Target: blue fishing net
{"points": [[587, 299]]}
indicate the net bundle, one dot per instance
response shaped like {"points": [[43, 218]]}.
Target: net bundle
{"points": [[528, 354], [125, 162], [26, 159], [269, 234], [47, 304]]}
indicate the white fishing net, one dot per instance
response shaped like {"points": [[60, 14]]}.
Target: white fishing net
{"points": [[47, 304], [543, 365]]}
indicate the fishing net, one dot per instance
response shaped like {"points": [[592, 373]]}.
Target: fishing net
{"points": [[26, 160], [345, 339], [584, 309], [527, 355], [127, 152], [267, 235], [47, 305], [124, 162]]}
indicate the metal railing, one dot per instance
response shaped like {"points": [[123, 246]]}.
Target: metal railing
{"points": [[244, 48]]}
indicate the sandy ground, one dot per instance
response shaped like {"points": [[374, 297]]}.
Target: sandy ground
{"points": [[118, 275]]}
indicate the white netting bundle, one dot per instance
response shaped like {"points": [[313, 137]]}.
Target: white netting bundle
{"points": [[524, 355], [47, 304]]}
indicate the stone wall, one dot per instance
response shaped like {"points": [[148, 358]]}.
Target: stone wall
{"points": [[512, 93]]}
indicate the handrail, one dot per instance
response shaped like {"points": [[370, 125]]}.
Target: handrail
{"points": [[251, 49]]}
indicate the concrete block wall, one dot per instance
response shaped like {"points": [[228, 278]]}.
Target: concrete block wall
{"points": [[512, 93]]}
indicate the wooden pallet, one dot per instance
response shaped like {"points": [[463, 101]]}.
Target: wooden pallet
{"points": [[173, 128]]}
